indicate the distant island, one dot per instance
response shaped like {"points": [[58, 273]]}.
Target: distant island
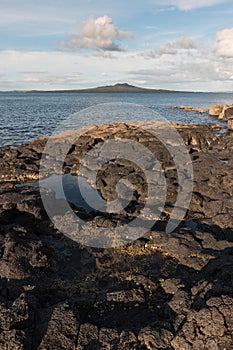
{"points": [[117, 88], [122, 88]]}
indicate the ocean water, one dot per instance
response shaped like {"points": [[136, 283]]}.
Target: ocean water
{"points": [[25, 116]]}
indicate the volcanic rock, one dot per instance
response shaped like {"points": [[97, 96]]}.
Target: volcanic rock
{"points": [[160, 291], [215, 110], [227, 113], [191, 109]]}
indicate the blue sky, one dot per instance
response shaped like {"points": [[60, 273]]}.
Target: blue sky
{"points": [[170, 44]]}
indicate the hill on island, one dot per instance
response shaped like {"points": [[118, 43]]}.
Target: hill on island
{"points": [[121, 88], [117, 88]]}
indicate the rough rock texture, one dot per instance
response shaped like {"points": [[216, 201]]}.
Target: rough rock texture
{"points": [[222, 112], [192, 109], [227, 113], [162, 291], [230, 124], [215, 110]]}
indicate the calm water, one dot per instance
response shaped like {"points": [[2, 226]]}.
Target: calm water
{"points": [[27, 116]]}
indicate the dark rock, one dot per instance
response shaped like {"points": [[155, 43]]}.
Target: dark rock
{"points": [[88, 337], [163, 291], [58, 327], [155, 338]]}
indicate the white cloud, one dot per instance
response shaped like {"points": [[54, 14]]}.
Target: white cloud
{"points": [[193, 4], [166, 50], [164, 9], [148, 54], [186, 43], [98, 34], [47, 71], [104, 54], [184, 73], [224, 43], [172, 48], [190, 67]]}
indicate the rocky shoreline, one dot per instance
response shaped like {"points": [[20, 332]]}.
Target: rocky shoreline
{"points": [[162, 291]]}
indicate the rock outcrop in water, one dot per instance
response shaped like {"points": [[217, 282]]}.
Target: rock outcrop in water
{"points": [[191, 109], [222, 112], [227, 113], [163, 291], [215, 110]]}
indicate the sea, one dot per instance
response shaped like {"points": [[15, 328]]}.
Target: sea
{"points": [[26, 116]]}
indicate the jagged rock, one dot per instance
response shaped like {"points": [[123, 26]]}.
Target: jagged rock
{"points": [[191, 109], [221, 111], [227, 113], [163, 291], [108, 339], [58, 328], [154, 339], [88, 337], [13, 339], [215, 110], [230, 124], [128, 341]]}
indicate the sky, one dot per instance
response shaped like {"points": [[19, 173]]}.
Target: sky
{"points": [[75, 44]]}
